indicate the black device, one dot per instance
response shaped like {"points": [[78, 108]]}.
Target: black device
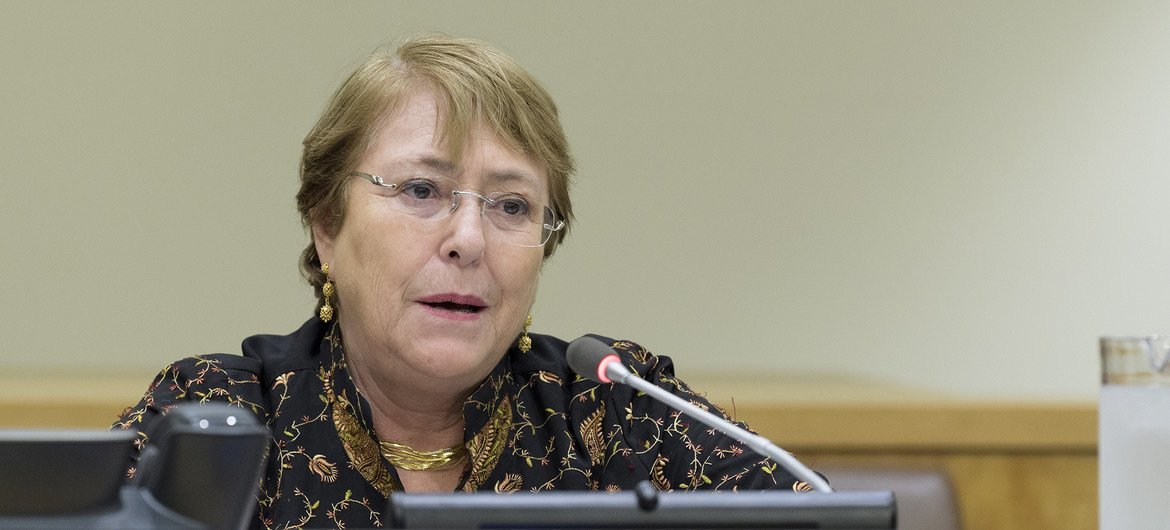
{"points": [[200, 469], [645, 508], [204, 462], [47, 472]]}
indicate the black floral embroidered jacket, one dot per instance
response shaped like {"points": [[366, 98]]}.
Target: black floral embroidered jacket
{"points": [[532, 425]]}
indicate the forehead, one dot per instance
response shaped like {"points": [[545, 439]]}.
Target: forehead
{"points": [[409, 139]]}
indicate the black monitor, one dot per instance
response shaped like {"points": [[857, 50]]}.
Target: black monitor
{"points": [[54, 472], [645, 508], [200, 469]]}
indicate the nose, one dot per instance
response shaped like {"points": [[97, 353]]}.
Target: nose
{"points": [[464, 242]]}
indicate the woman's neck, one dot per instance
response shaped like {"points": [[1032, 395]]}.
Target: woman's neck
{"points": [[423, 417], [421, 420]]}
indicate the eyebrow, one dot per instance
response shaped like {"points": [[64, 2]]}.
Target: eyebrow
{"points": [[497, 177], [437, 164], [450, 169]]}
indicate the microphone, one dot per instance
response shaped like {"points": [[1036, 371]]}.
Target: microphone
{"points": [[596, 361], [204, 462]]}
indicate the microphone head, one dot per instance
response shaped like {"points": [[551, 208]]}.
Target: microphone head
{"points": [[589, 356]]}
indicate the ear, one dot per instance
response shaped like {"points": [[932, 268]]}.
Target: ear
{"points": [[324, 243]]}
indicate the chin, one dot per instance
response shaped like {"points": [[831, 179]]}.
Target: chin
{"points": [[457, 360]]}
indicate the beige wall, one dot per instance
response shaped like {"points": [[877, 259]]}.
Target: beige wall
{"points": [[958, 196]]}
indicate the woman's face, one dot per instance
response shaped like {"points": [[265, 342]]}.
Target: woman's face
{"points": [[431, 300]]}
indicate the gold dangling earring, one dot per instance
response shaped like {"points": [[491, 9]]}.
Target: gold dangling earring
{"points": [[525, 342], [326, 312]]}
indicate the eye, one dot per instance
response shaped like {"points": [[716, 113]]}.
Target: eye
{"points": [[512, 205], [420, 189]]}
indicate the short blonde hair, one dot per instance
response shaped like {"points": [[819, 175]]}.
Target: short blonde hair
{"points": [[474, 84]]}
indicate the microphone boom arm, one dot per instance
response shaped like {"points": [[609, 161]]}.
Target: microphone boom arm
{"points": [[619, 373]]}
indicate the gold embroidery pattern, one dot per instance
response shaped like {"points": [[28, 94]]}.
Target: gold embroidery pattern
{"points": [[637, 352], [362, 450], [488, 444], [657, 473], [593, 437], [511, 483]]}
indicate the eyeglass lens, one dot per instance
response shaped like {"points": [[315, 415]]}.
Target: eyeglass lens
{"points": [[516, 218]]}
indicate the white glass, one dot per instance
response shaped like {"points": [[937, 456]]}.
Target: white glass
{"points": [[1134, 435]]}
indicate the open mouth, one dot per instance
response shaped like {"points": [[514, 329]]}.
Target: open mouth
{"points": [[455, 305], [452, 306]]}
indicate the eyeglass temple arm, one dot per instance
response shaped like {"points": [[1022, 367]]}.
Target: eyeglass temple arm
{"points": [[374, 179]]}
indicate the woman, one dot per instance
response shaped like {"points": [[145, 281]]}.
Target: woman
{"points": [[434, 186]]}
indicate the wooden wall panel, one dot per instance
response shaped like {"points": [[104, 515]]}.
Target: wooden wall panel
{"points": [[1013, 465], [1024, 491]]}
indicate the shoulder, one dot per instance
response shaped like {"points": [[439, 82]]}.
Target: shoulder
{"points": [[203, 378], [261, 353], [237, 379], [548, 354], [207, 369], [285, 353], [640, 360]]}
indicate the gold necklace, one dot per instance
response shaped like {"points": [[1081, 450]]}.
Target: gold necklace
{"points": [[405, 457]]}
